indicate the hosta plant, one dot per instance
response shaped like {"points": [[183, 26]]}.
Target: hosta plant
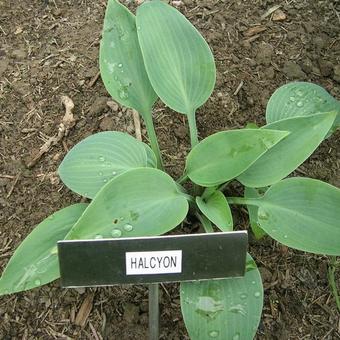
{"points": [[159, 54]]}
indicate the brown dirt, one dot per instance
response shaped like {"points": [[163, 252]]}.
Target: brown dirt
{"points": [[50, 48]]}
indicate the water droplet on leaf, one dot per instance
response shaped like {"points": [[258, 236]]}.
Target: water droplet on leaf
{"points": [[100, 173], [128, 227], [37, 282], [116, 233], [97, 237], [299, 104], [114, 173], [101, 158], [214, 334], [292, 99], [123, 94], [236, 336], [238, 309], [243, 296], [263, 215], [257, 294]]}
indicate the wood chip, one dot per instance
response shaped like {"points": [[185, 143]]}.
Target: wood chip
{"points": [[270, 11], [254, 31], [84, 311]]}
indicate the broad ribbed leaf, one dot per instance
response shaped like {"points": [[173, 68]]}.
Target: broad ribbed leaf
{"points": [[302, 213], [301, 99], [121, 63], [217, 210], [225, 155], [223, 309], [178, 61], [306, 135], [252, 212], [35, 261], [140, 202], [98, 158]]}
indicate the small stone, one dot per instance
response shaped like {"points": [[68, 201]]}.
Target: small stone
{"points": [[265, 274], [336, 75], [181, 132], [113, 105], [326, 68], [264, 54], [307, 66], [98, 106], [293, 70], [106, 124], [279, 15], [308, 26]]}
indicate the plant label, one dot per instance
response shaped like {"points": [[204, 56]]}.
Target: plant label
{"points": [[86, 263]]}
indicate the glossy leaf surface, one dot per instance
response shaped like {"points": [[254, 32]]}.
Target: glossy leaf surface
{"points": [[223, 309], [302, 213], [217, 210], [140, 202], [178, 61], [121, 63], [225, 155], [306, 135], [301, 99], [35, 261], [90, 164]]}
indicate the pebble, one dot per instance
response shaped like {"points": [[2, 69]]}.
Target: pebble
{"points": [[106, 124], [98, 106], [293, 70], [326, 67], [264, 54]]}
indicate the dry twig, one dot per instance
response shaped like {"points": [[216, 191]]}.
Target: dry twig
{"points": [[136, 122], [67, 123]]}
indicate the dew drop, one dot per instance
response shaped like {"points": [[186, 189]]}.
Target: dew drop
{"points": [[101, 158], [299, 104], [37, 282], [115, 78], [257, 294], [253, 282], [112, 44], [236, 336], [285, 236], [114, 173], [292, 99], [116, 233], [274, 230], [128, 227], [97, 237], [100, 173], [120, 65], [138, 28], [263, 215], [214, 334], [243, 296], [238, 309], [123, 94], [299, 93], [85, 194], [104, 180]]}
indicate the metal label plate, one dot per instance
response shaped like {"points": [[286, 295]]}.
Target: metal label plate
{"points": [[104, 262]]}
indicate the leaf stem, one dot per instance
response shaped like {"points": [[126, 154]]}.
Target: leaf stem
{"points": [[192, 128], [184, 178], [205, 222], [242, 200], [331, 279], [153, 138]]}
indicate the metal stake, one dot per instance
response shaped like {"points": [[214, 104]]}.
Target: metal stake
{"points": [[154, 311]]}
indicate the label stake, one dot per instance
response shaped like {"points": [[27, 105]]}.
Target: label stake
{"points": [[154, 311]]}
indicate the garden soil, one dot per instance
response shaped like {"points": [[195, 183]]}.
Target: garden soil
{"points": [[49, 48]]}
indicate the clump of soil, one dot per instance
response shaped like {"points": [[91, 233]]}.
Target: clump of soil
{"points": [[50, 48]]}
